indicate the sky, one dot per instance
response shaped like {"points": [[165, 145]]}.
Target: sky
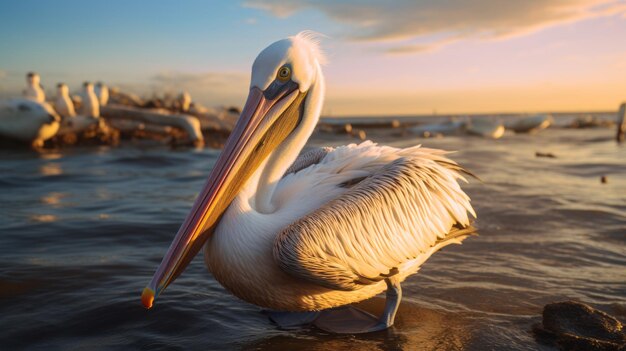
{"points": [[398, 57]]}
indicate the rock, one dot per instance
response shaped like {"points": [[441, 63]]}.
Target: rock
{"points": [[97, 133], [544, 154], [572, 325], [604, 179]]}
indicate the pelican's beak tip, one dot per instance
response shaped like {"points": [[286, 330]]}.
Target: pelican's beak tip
{"points": [[147, 297]]}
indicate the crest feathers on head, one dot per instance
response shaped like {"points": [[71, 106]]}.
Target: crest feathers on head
{"points": [[311, 40]]}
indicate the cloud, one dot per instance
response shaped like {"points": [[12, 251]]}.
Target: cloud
{"points": [[413, 20], [419, 48], [251, 21]]}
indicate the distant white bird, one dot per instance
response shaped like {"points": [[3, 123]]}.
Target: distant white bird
{"points": [[90, 106], [63, 104], [184, 101], [305, 234], [33, 89], [28, 121], [102, 92]]}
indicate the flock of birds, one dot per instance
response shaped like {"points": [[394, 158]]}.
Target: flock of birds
{"points": [[91, 97], [33, 120]]}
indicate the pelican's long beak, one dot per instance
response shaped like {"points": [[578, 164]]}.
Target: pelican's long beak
{"points": [[266, 120]]}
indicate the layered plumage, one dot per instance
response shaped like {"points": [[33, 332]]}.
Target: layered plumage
{"points": [[380, 226], [354, 215]]}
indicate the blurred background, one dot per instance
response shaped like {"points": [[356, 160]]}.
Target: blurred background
{"points": [[402, 57]]}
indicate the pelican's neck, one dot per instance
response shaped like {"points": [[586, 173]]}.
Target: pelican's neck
{"points": [[91, 105], [33, 82], [62, 94], [266, 178]]}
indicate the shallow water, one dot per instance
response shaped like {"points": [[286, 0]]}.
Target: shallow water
{"points": [[82, 231]]}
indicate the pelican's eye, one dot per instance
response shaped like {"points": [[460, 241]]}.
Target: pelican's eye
{"points": [[284, 73]]}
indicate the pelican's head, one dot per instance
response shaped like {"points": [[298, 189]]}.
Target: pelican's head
{"points": [[62, 90], [184, 96], [88, 87], [282, 76], [32, 78]]}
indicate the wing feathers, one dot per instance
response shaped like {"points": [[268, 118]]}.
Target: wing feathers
{"points": [[390, 218]]}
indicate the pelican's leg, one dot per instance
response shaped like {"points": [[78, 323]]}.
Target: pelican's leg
{"points": [[351, 320], [394, 296]]}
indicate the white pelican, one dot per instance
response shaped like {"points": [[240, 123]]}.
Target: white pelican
{"points": [[71, 123], [102, 93], [184, 101], [28, 121], [63, 104], [90, 106], [33, 89], [335, 227]]}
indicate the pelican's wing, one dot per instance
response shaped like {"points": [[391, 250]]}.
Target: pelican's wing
{"points": [[308, 158], [404, 210]]}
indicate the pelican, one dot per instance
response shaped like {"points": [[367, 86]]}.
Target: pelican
{"points": [[306, 236], [33, 89], [63, 104], [184, 101], [90, 106], [28, 121], [102, 93], [71, 123]]}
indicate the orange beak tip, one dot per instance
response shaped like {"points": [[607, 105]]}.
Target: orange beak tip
{"points": [[147, 297]]}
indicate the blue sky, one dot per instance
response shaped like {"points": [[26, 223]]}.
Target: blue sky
{"points": [[396, 57]]}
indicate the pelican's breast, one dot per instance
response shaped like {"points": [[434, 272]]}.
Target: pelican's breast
{"points": [[239, 253]]}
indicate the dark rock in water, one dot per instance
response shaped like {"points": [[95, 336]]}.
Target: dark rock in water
{"points": [[100, 133], [576, 326], [234, 109], [154, 103], [545, 154]]}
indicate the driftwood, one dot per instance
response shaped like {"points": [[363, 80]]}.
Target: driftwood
{"points": [[221, 120], [160, 117]]}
